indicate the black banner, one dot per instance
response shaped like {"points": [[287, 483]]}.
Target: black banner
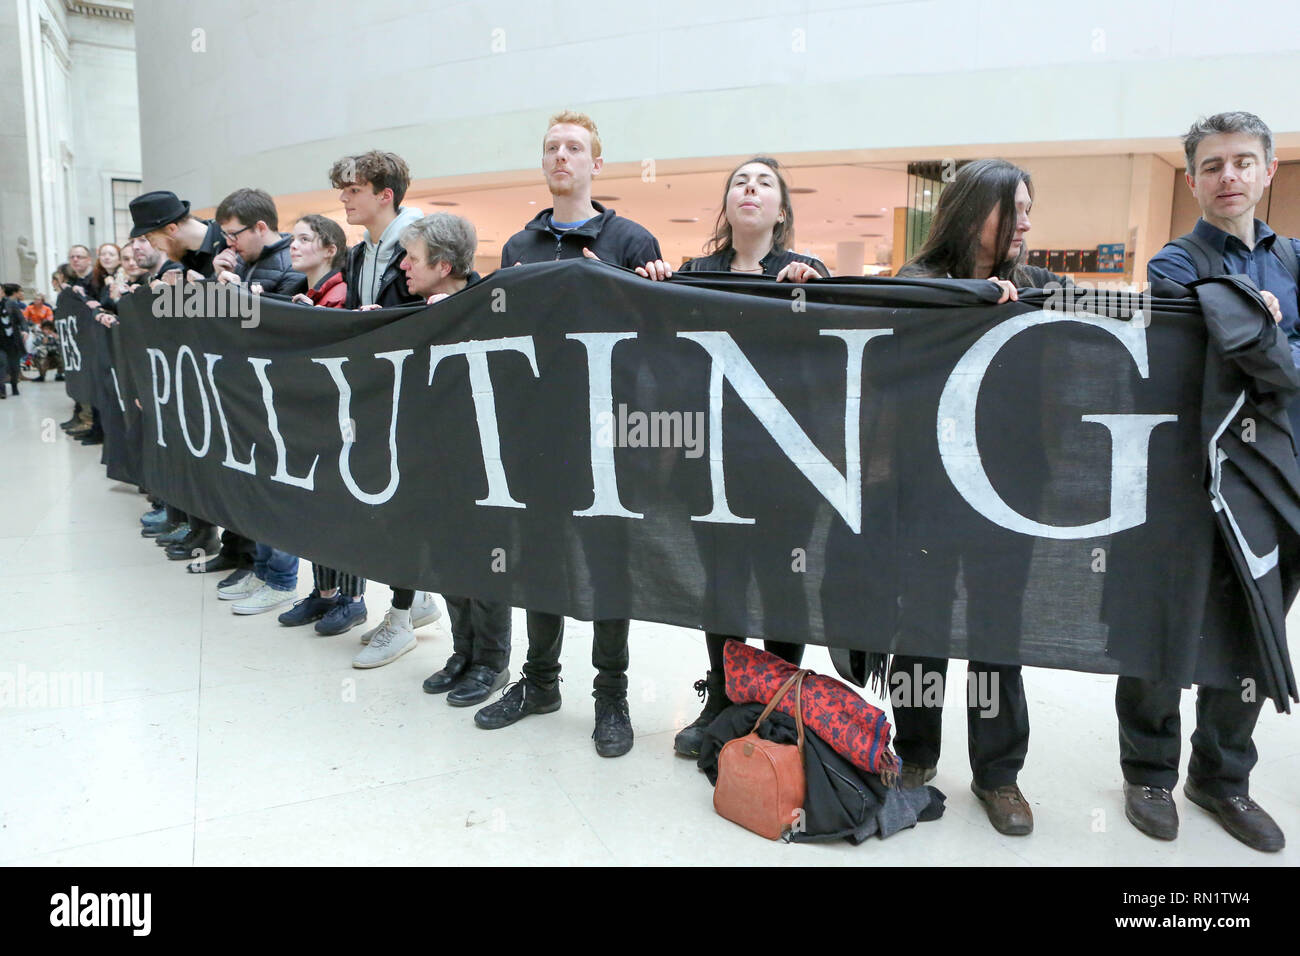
{"points": [[878, 465], [72, 321]]}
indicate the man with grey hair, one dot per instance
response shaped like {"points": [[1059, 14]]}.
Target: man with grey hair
{"points": [[439, 262], [1230, 163]]}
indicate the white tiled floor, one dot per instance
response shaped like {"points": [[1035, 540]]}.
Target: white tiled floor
{"points": [[228, 740]]}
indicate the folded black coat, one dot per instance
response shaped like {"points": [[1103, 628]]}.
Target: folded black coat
{"points": [[841, 802], [1253, 479]]}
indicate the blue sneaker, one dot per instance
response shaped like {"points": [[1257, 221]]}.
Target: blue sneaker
{"points": [[311, 608], [157, 516], [343, 616]]}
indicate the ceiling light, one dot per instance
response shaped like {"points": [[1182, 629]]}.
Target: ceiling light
{"points": [[692, 219], [866, 215], [802, 190], [605, 198]]}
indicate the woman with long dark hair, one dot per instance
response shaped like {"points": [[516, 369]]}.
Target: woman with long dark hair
{"points": [[978, 233], [755, 226], [753, 231]]}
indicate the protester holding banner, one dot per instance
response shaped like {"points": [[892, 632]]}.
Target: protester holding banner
{"points": [[256, 255], [978, 232], [337, 602], [165, 221], [256, 252], [1230, 162], [576, 226], [319, 251], [439, 262], [753, 231], [371, 188]]}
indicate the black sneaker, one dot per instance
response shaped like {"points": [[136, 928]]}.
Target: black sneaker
{"points": [[519, 700], [713, 691], [613, 733]]}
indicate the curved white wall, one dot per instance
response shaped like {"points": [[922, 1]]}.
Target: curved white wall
{"points": [[235, 93]]}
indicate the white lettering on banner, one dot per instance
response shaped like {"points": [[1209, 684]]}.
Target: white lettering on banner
{"points": [[485, 408], [247, 467], [67, 329], [1130, 434], [117, 390], [157, 360], [180, 404], [842, 492], [335, 367], [281, 475], [600, 403]]}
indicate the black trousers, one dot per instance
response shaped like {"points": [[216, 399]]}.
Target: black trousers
{"points": [[997, 738], [480, 630], [13, 362], [233, 544], [327, 579], [609, 654], [1150, 736]]}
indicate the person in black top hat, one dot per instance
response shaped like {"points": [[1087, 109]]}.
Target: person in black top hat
{"points": [[165, 221]]}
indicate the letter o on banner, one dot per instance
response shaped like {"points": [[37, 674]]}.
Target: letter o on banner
{"points": [[199, 452]]}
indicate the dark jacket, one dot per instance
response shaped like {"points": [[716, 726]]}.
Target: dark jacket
{"points": [[391, 288], [200, 259], [273, 270], [841, 801], [11, 328], [611, 237], [772, 263]]}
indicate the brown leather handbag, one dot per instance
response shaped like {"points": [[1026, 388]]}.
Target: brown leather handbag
{"points": [[761, 784]]}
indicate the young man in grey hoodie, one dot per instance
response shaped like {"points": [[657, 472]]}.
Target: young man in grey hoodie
{"points": [[371, 188]]}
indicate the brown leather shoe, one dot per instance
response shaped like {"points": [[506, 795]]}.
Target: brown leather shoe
{"points": [[913, 776], [1242, 817], [1007, 809]]}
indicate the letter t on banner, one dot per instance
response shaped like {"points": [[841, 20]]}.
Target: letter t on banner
{"points": [[600, 378], [485, 406]]}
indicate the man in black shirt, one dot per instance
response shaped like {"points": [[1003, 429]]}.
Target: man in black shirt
{"points": [[575, 227]]}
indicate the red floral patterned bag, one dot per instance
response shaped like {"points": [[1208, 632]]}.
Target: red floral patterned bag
{"points": [[851, 726]]}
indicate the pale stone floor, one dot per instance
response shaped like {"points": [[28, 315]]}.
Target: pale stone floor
{"points": [[227, 740]]}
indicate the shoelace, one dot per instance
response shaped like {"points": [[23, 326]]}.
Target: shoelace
{"points": [[1011, 794], [385, 634], [1157, 793], [702, 688], [1242, 803]]}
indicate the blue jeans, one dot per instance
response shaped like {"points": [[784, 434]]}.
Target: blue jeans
{"points": [[277, 568]]}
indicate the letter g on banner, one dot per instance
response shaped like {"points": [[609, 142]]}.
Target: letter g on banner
{"points": [[1130, 434]]}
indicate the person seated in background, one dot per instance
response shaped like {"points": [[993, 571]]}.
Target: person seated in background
{"points": [[47, 352], [38, 312]]}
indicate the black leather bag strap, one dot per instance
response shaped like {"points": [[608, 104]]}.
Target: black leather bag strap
{"points": [[1206, 260]]}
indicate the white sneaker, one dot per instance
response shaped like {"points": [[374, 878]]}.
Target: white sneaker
{"points": [[388, 642], [424, 610], [248, 585], [264, 598]]}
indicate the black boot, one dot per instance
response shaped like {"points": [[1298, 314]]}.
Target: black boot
{"points": [[713, 690]]}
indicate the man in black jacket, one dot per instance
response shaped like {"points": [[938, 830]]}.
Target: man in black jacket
{"points": [[256, 251], [575, 227]]}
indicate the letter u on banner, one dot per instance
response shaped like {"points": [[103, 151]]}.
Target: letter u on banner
{"points": [[335, 367]]}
